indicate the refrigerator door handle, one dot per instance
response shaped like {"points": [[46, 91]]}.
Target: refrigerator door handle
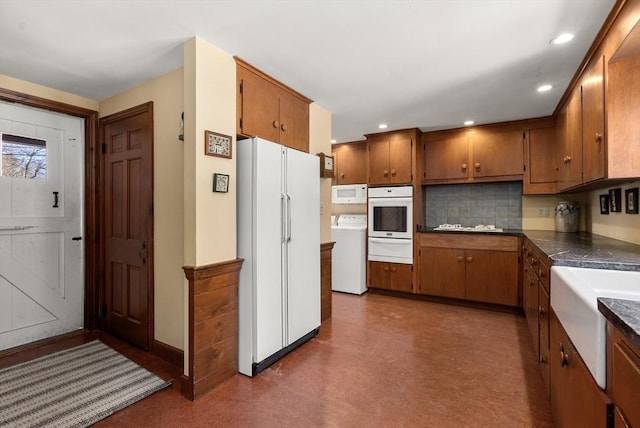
{"points": [[283, 219], [288, 218]]}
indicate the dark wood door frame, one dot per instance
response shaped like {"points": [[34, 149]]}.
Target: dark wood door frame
{"points": [[91, 171]]}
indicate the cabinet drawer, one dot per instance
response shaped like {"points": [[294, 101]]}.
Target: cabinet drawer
{"points": [[626, 378]]}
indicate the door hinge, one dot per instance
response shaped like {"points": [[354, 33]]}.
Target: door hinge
{"points": [[524, 168], [104, 148], [524, 135], [241, 87], [518, 259], [104, 310], [240, 123]]}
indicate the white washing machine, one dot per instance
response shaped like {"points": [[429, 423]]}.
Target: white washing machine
{"points": [[349, 255]]}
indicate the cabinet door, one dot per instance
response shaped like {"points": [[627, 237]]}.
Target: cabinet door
{"points": [[593, 122], [442, 272], [576, 400], [542, 162], [569, 126], [497, 154], [390, 276], [447, 158], [378, 161], [260, 107], [492, 276], [530, 304], [294, 122], [543, 329], [400, 165], [351, 163]]}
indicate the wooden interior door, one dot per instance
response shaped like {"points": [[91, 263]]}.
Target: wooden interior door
{"points": [[127, 227]]}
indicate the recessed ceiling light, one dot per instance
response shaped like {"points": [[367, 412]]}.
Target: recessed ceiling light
{"points": [[468, 122], [544, 88], [562, 38], [383, 126], [333, 141]]}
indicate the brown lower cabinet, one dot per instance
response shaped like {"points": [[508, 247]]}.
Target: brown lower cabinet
{"points": [[390, 276], [480, 268], [576, 400], [623, 378]]}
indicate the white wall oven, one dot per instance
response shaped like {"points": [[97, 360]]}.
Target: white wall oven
{"points": [[391, 224]]}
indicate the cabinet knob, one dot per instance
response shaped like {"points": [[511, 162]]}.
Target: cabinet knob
{"points": [[385, 173], [393, 172], [541, 310], [598, 137], [393, 269], [276, 124], [386, 269], [567, 159], [543, 359], [283, 127], [460, 258], [342, 175], [477, 165], [469, 259], [564, 358], [463, 166]]}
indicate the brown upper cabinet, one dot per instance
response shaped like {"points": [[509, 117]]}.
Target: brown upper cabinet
{"points": [[350, 163], [478, 154], [541, 166], [593, 122], [569, 135], [391, 157], [266, 108]]}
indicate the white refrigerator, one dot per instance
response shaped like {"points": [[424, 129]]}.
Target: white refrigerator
{"points": [[279, 239]]}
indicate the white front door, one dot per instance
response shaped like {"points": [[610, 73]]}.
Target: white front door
{"points": [[41, 212]]}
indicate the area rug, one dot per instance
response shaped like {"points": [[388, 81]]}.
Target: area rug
{"points": [[73, 388]]}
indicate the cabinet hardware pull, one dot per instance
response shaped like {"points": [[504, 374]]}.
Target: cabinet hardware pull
{"points": [[543, 359], [283, 127], [541, 310], [564, 358], [393, 172], [460, 258], [393, 269], [464, 166], [342, 175], [55, 200], [385, 173], [598, 137], [276, 124], [477, 165], [469, 259], [386, 269]]}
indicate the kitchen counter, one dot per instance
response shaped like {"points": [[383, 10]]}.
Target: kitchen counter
{"points": [[624, 315], [583, 249]]}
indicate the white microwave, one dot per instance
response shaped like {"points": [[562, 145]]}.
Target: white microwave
{"points": [[349, 194]]}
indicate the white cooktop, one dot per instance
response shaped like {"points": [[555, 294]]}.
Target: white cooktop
{"points": [[478, 228]]}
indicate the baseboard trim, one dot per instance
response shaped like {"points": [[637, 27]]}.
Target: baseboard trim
{"points": [[168, 353]]}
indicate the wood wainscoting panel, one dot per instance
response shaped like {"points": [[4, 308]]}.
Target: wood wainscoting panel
{"points": [[213, 326], [325, 280]]}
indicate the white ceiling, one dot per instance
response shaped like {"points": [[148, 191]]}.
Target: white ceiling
{"points": [[410, 63]]}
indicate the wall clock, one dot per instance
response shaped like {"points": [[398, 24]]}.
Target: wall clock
{"points": [[326, 165]]}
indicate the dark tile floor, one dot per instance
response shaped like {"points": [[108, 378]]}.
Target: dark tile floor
{"points": [[380, 361]]}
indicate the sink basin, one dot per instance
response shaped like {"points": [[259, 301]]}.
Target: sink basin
{"points": [[574, 299]]}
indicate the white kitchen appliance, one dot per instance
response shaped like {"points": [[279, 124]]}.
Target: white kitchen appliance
{"points": [[349, 194], [390, 224], [349, 255], [278, 213]]}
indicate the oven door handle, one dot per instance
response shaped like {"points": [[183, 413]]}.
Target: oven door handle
{"points": [[390, 241]]}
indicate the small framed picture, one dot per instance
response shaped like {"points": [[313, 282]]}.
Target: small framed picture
{"points": [[631, 200], [220, 183], [217, 144], [615, 200], [604, 204]]}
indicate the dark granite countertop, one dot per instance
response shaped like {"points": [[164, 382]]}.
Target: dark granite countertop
{"points": [[623, 315], [582, 249], [510, 232]]}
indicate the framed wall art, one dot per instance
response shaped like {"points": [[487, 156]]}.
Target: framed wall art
{"points": [[615, 200], [604, 204], [631, 200], [220, 183], [217, 144]]}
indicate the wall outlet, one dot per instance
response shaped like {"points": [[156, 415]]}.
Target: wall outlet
{"points": [[543, 212]]}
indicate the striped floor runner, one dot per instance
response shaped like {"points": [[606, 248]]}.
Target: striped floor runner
{"points": [[72, 388]]}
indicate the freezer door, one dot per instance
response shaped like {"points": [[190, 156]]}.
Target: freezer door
{"points": [[302, 284]]}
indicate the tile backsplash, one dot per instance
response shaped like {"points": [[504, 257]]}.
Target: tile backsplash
{"points": [[499, 204]]}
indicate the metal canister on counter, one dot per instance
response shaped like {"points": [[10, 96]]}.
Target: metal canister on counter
{"points": [[567, 216]]}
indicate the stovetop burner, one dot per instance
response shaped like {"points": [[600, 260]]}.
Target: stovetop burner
{"points": [[460, 228]]}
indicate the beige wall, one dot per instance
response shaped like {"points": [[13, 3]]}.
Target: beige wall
{"points": [[625, 227], [320, 141], [531, 205], [48, 93], [166, 94]]}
